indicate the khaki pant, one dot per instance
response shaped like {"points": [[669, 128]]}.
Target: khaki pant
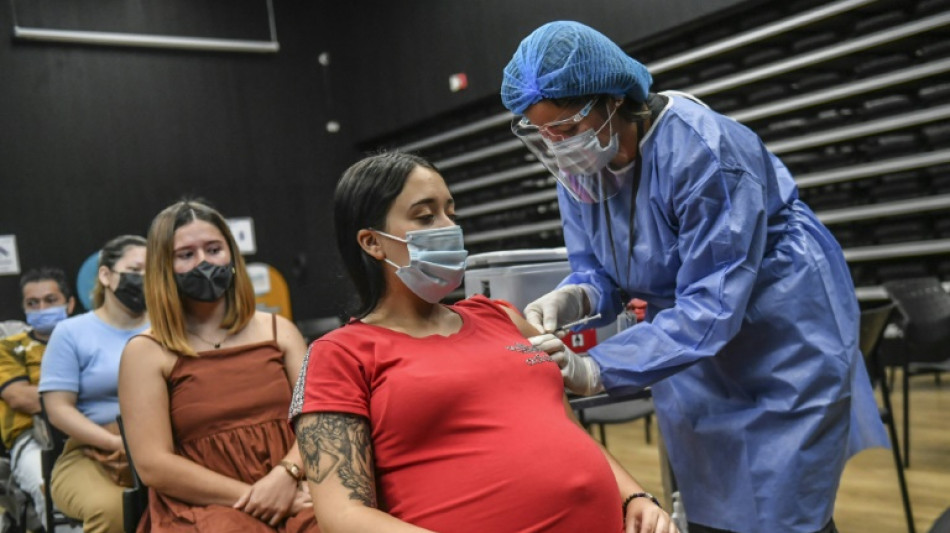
{"points": [[81, 489]]}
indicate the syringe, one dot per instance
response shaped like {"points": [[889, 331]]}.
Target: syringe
{"points": [[569, 325]]}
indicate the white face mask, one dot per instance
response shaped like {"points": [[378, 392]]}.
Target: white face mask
{"points": [[436, 261], [582, 154]]}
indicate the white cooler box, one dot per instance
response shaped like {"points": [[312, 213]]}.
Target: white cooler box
{"points": [[520, 277]]}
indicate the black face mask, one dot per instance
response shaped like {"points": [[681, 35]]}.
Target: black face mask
{"points": [[205, 282], [129, 291]]}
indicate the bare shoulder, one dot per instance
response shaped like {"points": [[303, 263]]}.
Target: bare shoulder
{"points": [[286, 329], [259, 328], [283, 323], [144, 353], [264, 324], [143, 344], [523, 326], [261, 319]]}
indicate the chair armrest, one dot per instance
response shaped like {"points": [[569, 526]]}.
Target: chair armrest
{"points": [[42, 433]]}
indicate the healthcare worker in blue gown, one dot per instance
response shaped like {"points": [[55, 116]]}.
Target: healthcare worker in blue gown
{"points": [[750, 344]]}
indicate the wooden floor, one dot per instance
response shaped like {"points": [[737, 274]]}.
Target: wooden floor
{"points": [[869, 498]]}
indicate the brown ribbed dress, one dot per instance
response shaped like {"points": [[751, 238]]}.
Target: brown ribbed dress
{"points": [[228, 411]]}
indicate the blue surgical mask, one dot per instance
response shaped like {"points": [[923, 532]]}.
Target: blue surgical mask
{"points": [[44, 320], [436, 261], [582, 154]]}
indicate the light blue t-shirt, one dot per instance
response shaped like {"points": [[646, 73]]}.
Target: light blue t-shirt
{"points": [[83, 356]]}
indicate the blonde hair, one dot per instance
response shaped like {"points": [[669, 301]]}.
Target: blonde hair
{"points": [[166, 310], [109, 255]]}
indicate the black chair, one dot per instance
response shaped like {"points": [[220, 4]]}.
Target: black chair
{"points": [[18, 510], [12, 327], [135, 499], [52, 440], [314, 328], [873, 323], [924, 346], [617, 413], [942, 524]]}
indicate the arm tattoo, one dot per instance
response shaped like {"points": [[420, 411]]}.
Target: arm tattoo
{"points": [[338, 443]]}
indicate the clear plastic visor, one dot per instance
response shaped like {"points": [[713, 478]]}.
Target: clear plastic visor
{"points": [[522, 127], [588, 189]]}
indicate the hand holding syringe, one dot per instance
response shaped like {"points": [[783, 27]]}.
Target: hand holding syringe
{"points": [[581, 374]]}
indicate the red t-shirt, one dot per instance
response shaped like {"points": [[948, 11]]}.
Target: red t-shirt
{"points": [[469, 431]]}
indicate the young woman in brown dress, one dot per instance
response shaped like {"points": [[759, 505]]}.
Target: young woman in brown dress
{"points": [[204, 393]]}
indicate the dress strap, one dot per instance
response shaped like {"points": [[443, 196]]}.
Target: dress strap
{"points": [[273, 317], [147, 336]]}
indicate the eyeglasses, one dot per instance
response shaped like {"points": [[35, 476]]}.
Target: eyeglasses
{"points": [[522, 127]]}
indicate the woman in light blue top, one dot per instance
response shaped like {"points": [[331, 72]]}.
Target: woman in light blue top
{"points": [[750, 341], [79, 383]]}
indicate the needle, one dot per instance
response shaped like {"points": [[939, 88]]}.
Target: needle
{"points": [[584, 320]]}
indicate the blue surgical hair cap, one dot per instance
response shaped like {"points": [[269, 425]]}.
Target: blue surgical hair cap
{"points": [[564, 59]]}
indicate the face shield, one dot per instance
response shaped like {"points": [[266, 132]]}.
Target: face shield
{"points": [[579, 161]]}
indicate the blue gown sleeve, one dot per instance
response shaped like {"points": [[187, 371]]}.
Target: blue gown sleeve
{"points": [[721, 223]]}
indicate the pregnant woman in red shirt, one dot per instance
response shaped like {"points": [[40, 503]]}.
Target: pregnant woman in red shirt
{"points": [[418, 416]]}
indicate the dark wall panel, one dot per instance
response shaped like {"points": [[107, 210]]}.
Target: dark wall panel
{"points": [[400, 54], [96, 140]]}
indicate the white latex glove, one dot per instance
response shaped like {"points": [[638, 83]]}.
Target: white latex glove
{"points": [[557, 307], [581, 374]]}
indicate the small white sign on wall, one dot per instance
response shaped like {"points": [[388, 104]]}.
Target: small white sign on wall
{"points": [[9, 258], [243, 231]]}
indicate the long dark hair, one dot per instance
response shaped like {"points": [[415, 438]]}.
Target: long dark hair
{"points": [[362, 199]]}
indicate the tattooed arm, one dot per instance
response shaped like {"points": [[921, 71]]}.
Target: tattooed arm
{"points": [[338, 457]]}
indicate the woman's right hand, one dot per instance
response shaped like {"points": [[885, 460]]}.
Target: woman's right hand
{"points": [[113, 459], [115, 464], [302, 500], [642, 515], [270, 498]]}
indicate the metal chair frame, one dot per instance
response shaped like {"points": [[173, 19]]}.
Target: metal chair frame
{"points": [[135, 499], [925, 323], [873, 323], [52, 440]]}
